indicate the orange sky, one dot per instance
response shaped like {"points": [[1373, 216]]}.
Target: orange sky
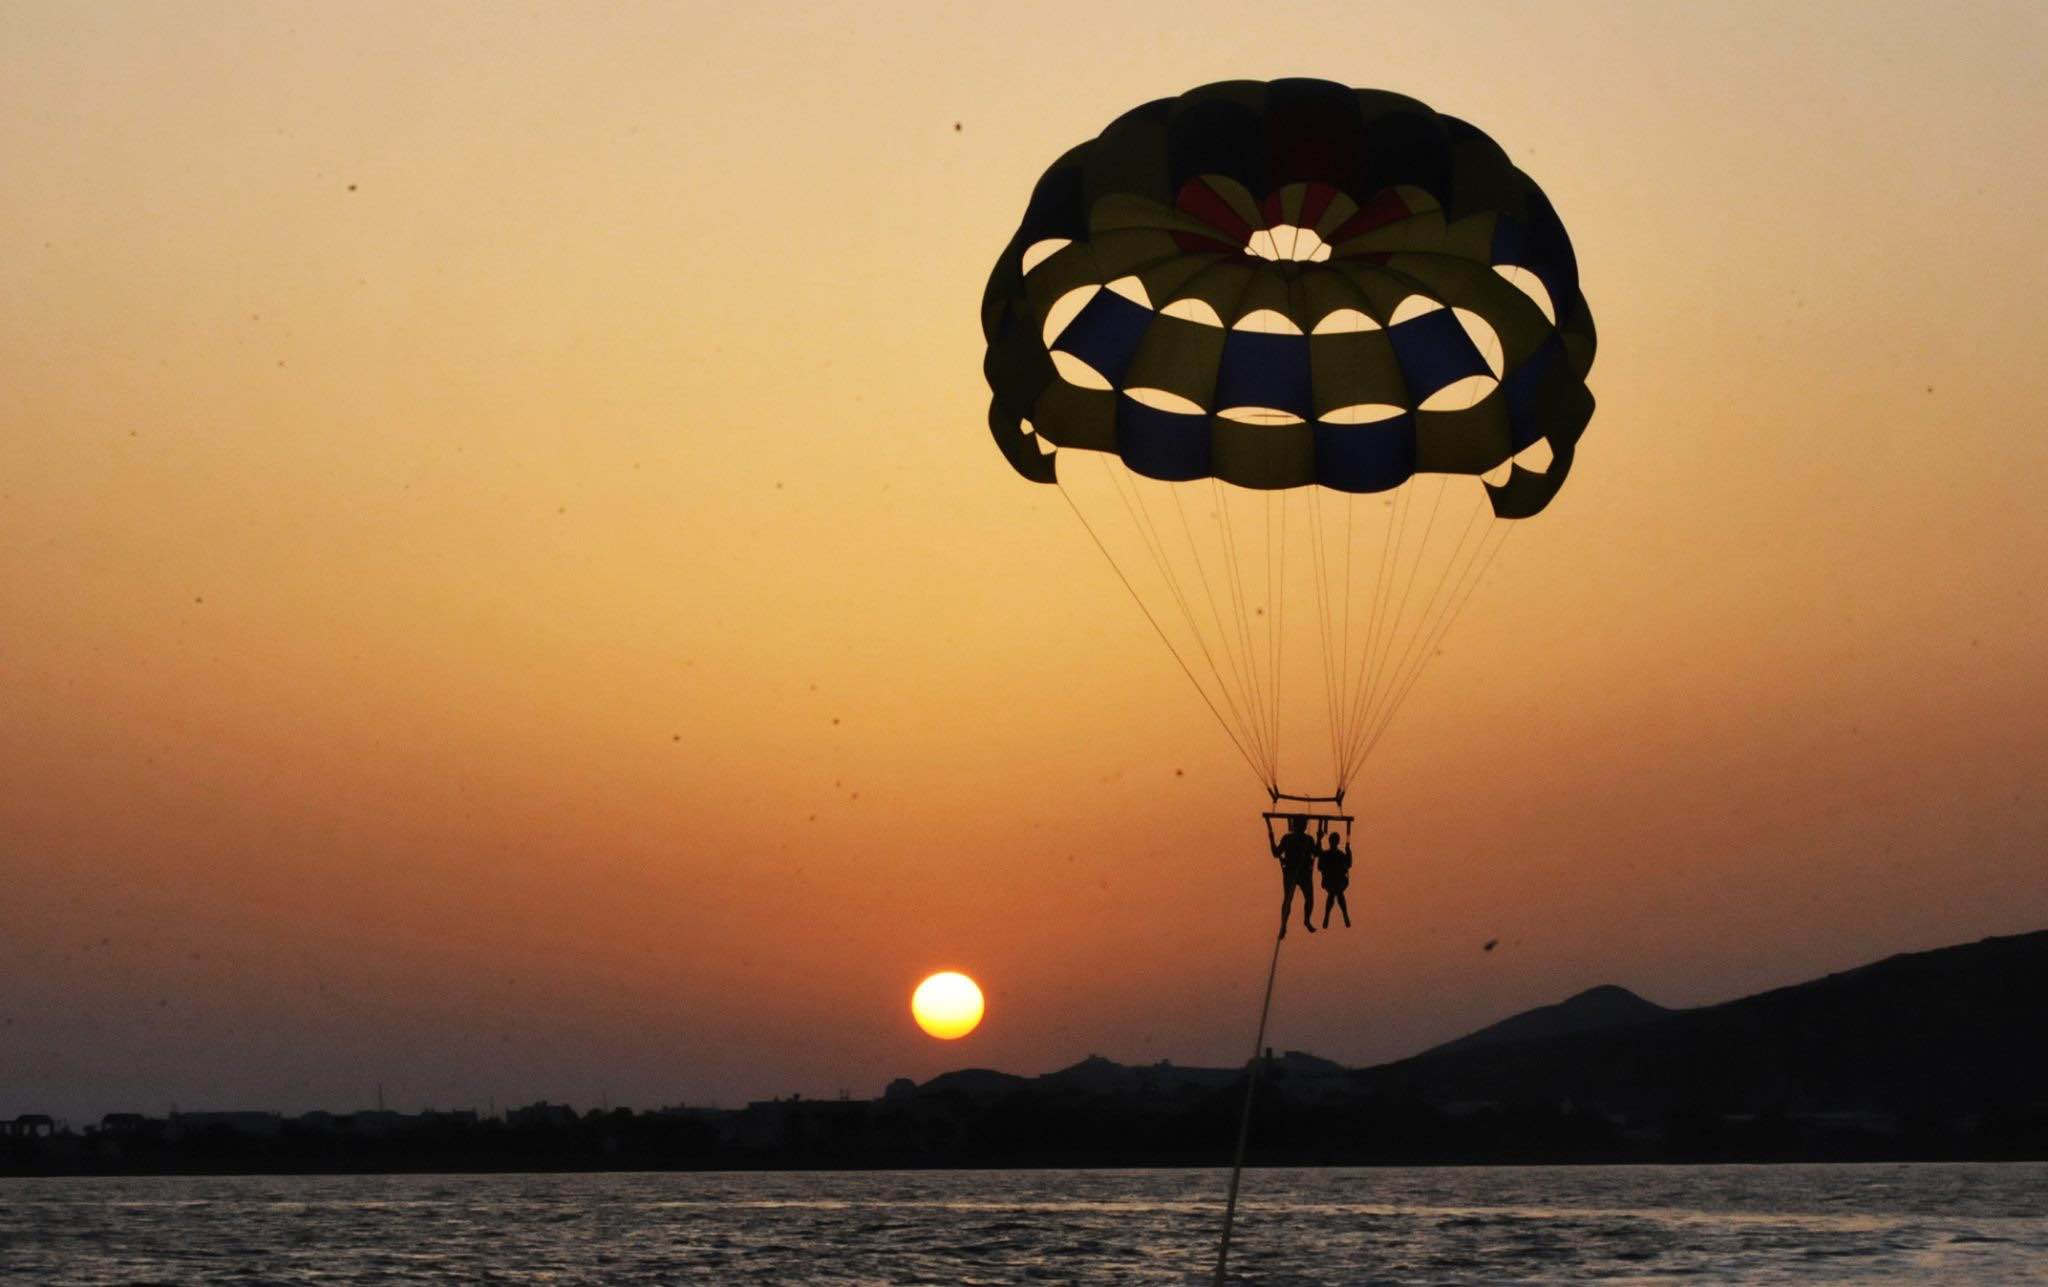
{"points": [[505, 591]]}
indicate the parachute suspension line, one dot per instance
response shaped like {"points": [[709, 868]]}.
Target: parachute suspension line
{"points": [[1244, 1121], [1383, 579], [1276, 589], [1331, 664], [1383, 669], [1407, 591], [1476, 573], [1321, 617], [1344, 654], [1153, 621], [1258, 715], [1461, 581], [1466, 584], [1243, 730], [1254, 715], [1429, 606], [1393, 674], [1339, 643], [1240, 607], [1390, 570], [1460, 598], [1276, 595], [1248, 610], [1280, 637]]}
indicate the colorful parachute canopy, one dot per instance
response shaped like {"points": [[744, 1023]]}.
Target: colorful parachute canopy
{"points": [[1274, 284], [1273, 301]]}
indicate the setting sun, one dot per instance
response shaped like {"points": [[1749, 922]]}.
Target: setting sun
{"points": [[947, 1005]]}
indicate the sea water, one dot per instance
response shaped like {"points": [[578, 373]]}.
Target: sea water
{"points": [[1927, 1223]]}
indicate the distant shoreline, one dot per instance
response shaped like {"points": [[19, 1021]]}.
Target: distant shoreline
{"points": [[1039, 1129], [1221, 1167], [1923, 1057]]}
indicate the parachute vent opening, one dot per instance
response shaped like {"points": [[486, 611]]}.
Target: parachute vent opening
{"points": [[1536, 456], [1362, 413], [1193, 310], [1484, 338], [1259, 416], [1031, 431], [1460, 395], [1065, 309], [1076, 372], [1267, 321], [1288, 243], [1131, 289], [1531, 285], [1499, 473], [1162, 400], [1411, 307], [1039, 251], [1343, 322]]}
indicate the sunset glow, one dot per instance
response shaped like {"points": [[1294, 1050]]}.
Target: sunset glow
{"points": [[507, 590]]}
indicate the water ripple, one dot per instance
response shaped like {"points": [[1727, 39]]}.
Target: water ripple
{"points": [[1767, 1225]]}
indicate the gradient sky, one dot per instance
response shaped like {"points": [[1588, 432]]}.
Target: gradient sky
{"points": [[505, 590]]}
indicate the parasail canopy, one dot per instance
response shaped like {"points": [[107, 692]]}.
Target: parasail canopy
{"points": [[1298, 354]]}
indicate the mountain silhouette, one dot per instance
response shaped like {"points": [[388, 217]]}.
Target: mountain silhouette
{"points": [[1924, 1055], [1606, 1006], [1957, 1029], [974, 1081]]}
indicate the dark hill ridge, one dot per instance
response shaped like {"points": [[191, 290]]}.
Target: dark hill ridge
{"points": [[1957, 1029], [975, 1081], [1096, 1075], [1926, 1055], [1606, 1006]]}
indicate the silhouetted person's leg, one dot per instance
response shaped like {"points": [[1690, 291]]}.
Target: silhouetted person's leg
{"points": [[1343, 904], [1286, 906], [1308, 906], [1329, 900]]}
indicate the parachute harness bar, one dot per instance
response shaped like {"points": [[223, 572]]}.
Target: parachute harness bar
{"points": [[1279, 795], [1322, 820]]}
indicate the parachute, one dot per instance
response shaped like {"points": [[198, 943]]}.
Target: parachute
{"points": [[1300, 356]]}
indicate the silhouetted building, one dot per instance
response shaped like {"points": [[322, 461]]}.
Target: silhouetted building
{"points": [[262, 1125], [541, 1113], [687, 1112]]}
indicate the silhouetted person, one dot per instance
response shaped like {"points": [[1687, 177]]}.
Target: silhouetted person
{"points": [[1297, 855], [1334, 862]]}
